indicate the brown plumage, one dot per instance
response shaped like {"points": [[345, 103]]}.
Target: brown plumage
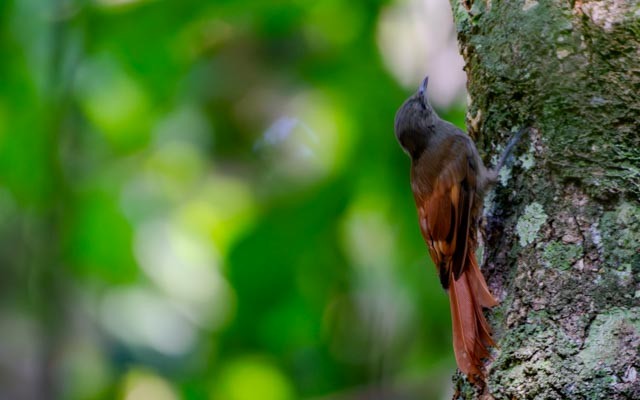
{"points": [[448, 180]]}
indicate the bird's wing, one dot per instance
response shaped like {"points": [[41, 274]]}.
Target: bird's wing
{"points": [[445, 215]]}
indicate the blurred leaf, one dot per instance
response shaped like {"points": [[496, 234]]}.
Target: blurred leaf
{"points": [[99, 239], [115, 103]]}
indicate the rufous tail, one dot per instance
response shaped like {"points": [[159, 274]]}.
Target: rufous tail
{"points": [[471, 332]]}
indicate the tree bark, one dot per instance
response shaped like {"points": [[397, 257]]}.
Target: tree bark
{"points": [[562, 228]]}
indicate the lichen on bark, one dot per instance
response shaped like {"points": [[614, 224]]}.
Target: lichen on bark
{"points": [[530, 222], [561, 240]]}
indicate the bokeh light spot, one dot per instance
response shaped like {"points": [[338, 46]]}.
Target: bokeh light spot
{"points": [[144, 385], [308, 142], [184, 267], [251, 378], [143, 318]]}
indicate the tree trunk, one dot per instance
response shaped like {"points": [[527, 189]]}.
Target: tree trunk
{"points": [[562, 229]]}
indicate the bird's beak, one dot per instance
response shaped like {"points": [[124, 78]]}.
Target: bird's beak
{"points": [[423, 86]]}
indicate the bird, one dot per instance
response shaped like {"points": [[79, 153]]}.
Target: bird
{"points": [[449, 181]]}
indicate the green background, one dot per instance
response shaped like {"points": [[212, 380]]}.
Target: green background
{"points": [[205, 200]]}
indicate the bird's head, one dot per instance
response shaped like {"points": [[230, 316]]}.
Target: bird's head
{"points": [[415, 121]]}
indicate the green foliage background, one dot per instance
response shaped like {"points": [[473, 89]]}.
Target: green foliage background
{"points": [[205, 200]]}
